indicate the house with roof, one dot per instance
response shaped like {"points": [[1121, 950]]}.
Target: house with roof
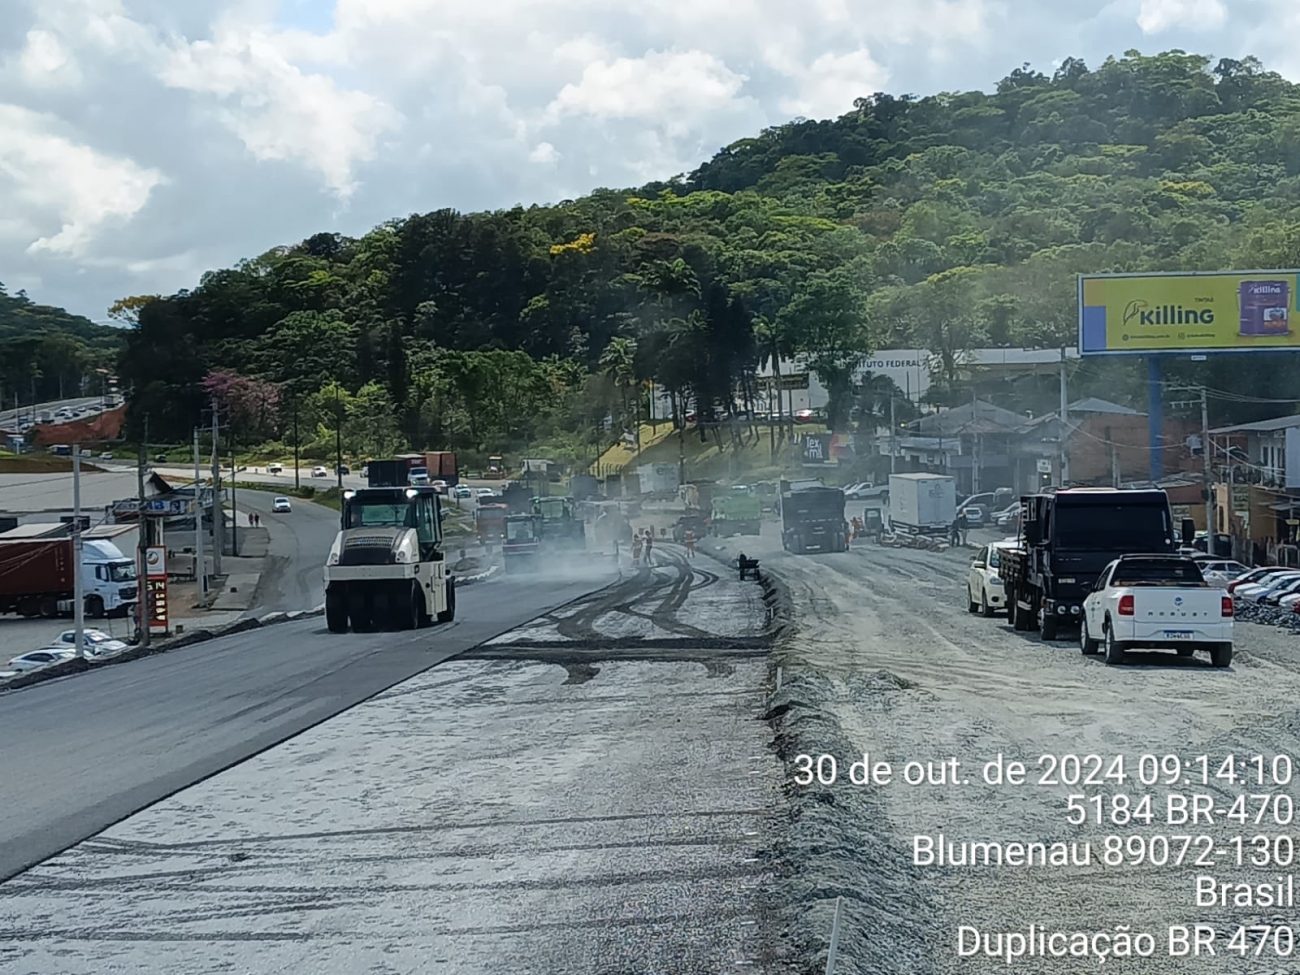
{"points": [[1107, 444], [1257, 466], [972, 442]]}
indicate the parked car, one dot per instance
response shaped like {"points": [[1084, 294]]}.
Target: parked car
{"points": [[97, 643], [274, 468], [1008, 517], [1273, 597], [319, 471], [484, 495], [460, 492], [984, 591], [1252, 592], [805, 416], [281, 506], [1251, 577], [976, 515], [1220, 572], [37, 659]]}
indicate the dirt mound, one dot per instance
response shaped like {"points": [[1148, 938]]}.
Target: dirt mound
{"points": [[98, 428]]}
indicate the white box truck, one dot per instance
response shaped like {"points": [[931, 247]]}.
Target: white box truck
{"points": [[922, 504]]}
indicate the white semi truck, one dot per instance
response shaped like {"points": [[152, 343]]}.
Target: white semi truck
{"points": [[387, 569]]}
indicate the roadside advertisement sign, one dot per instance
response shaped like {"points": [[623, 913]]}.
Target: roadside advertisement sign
{"points": [[1221, 311], [155, 573], [797, 380], [817, 448], [156, 598]]}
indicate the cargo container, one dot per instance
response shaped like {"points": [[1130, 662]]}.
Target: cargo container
{"points": [[388, 473], [442, 466], [922, 504], [36, 577]]}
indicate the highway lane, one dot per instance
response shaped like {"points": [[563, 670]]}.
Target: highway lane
{"points": [[82, 753], [294, 577], [25, 411]]}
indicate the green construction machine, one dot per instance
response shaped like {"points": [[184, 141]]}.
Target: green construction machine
{"points": [[561, 527], [738, 511]]}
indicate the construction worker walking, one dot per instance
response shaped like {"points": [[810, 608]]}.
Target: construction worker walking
{"points": [[689, 539], [649, 544], [636, 549]]}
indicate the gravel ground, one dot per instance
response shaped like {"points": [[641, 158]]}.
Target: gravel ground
{"points": [[597, 803], [887, 661]]}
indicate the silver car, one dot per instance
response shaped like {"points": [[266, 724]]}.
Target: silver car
{"points": [[39, 659]]}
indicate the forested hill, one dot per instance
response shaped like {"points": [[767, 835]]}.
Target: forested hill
{"points": [[945, 222], [49, 350]]}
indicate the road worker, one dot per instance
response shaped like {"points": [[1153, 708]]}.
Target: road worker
{"points": [[690, 544]]}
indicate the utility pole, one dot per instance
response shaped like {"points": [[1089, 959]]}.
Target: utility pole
{"points": [[218, 515], [200, 558], [893, 437], [297, 474], [1114, 460], [142, 546], [234, 501], [1064, 425], [78, 584], [338, 438], [1211, 514], [681, 440], [975, 455]]}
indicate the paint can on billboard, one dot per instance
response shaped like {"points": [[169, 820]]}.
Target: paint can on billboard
{"points": [[1264, 308]]}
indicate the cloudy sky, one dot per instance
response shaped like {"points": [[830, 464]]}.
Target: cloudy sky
{"points": [[143, 142]]}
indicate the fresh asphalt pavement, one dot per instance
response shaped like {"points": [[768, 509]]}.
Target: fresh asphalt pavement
{"points": [[83, 752]]}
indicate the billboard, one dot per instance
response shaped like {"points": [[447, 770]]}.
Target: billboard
{"points": [[1220, 311]]}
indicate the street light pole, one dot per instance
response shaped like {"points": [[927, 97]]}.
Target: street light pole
{"points": [[78, 584], [200, 557]]}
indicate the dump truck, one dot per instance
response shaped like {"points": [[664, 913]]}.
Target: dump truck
{"points": [[812, 518], [736, 513], [490, 523], [386, 568], [698, 495], [1067, 538]]}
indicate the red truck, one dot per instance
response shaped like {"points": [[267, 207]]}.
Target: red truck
{"points": [[429, 466], [36, 577]]}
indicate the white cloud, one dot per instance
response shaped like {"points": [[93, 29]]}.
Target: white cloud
{"points": [[278, 111], [829, 85], [69, 190], [673, 88], [544, 153], [45, 62], [1157, 16]]}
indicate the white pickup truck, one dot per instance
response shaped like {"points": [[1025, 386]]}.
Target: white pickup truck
{"points": [[1159, 602]]}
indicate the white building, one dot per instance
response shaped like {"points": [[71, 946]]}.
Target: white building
{"points": [[910, 369]]}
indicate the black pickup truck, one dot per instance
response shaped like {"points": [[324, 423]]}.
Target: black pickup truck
{"points": [[1067, 538]]}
